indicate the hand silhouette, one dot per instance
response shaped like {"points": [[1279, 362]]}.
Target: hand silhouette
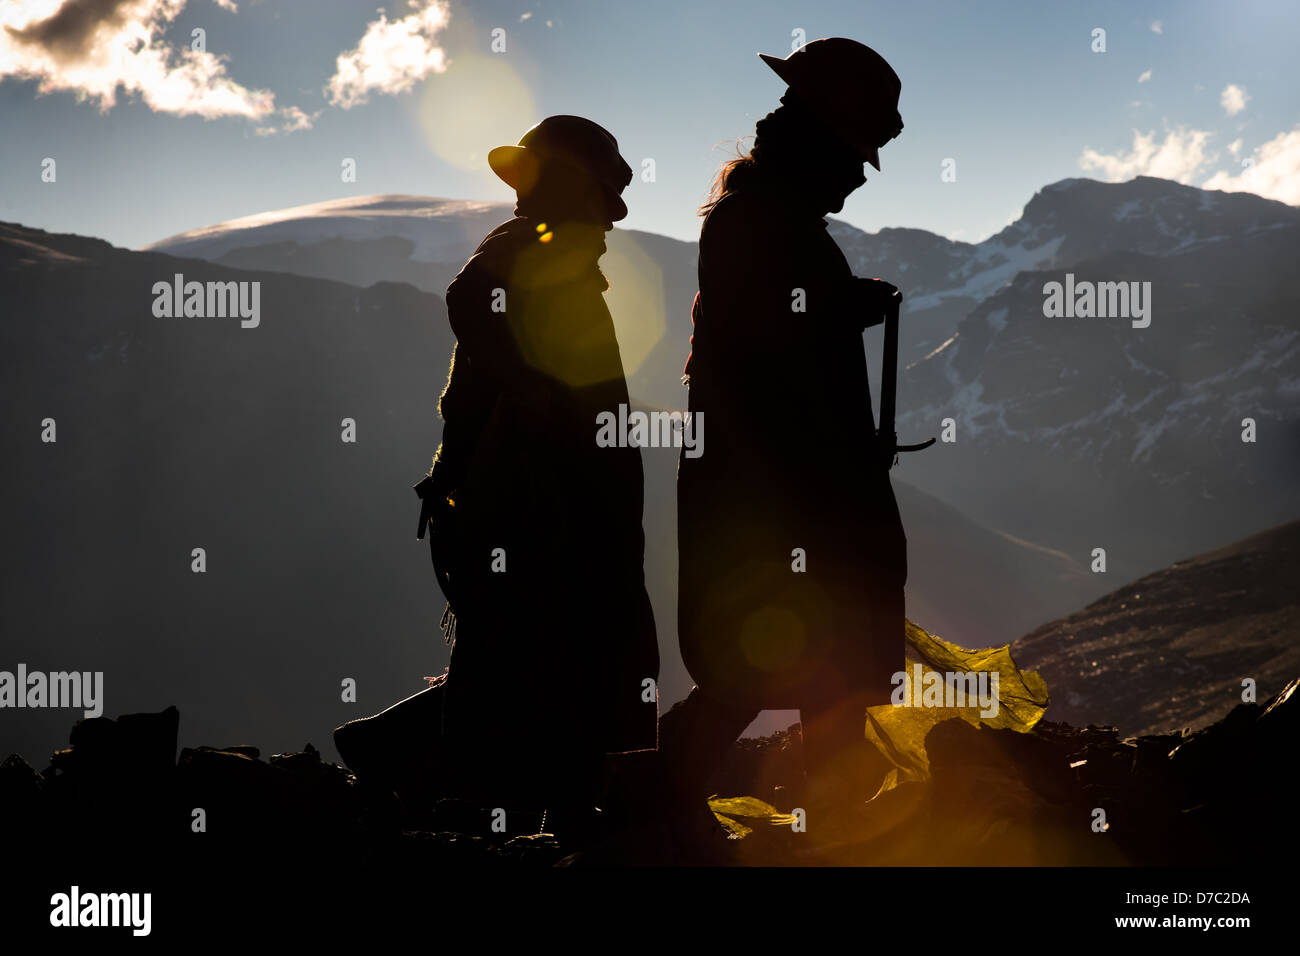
{"points": [[871, 299]]}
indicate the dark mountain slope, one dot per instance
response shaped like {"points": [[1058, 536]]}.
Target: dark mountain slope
{"points": [[1171, 649]]}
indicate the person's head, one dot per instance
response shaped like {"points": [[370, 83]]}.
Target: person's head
{"points": [[565, 193], [850, 87], [840, 108], [793, 144], [566, 169], [805, 145]]}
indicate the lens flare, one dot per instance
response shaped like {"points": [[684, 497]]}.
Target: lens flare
{"points": [[479, 103], [635, 298]]}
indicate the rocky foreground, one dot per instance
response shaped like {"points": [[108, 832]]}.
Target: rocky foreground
{"points": [[119, 797]]}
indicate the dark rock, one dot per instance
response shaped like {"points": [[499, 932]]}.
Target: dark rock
{"points": [[150, 739], [760, 766], [1041, 763], [534, 850], [22, 790], [142, 743], [993, 797], [246, 749]]}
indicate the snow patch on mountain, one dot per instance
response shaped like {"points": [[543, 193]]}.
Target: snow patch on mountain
{"points": [[990, 274], [1127, 209], [441, 229]]}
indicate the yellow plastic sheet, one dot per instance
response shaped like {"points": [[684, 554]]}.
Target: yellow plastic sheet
{"points": [[899, 732]]}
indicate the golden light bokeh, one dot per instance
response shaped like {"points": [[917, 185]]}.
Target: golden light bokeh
{"points": [[478, 104], [772, 638], [635, 297]]}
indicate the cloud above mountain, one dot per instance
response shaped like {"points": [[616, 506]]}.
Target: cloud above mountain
{"points": [[1177, 157], [101, 49], [391, 56], [1272, 170], [93, 48]]}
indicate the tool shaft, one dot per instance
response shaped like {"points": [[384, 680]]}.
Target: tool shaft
{"points": [[889, 375]]}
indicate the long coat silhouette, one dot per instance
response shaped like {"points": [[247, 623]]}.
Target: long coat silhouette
{"points": [[792, 553], [554, 630]]}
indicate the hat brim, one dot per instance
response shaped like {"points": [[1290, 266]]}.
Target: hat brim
{"points": [[778, 65], [869, 151], [872, 155], [514, 165]]}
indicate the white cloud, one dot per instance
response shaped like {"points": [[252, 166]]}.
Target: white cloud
{"points": [[1144, 77], [1157, 26], [93, 48], [391, 56], [1272, 171], [293, 119], [227, 5], [1233, 99], [1234, 147], [1178, 157]]}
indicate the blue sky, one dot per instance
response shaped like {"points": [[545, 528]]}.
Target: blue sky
{"points": [[1200, 92]]}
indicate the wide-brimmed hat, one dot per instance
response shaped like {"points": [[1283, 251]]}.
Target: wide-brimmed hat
{"points": [[850, 86], [572, 140]]}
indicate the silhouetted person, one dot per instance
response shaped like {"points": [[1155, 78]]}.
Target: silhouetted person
{"points": [[535, 530], [792, 554]]}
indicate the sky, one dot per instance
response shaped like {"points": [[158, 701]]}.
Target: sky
{"points": [[151, 136]]}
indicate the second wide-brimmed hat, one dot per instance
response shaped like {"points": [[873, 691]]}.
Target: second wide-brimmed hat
{"points": [[851, 88], [572, 140]]}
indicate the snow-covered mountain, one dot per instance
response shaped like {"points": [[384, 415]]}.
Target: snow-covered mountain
{"points": [[1069, 221], [1090, 433], [439, 230]]}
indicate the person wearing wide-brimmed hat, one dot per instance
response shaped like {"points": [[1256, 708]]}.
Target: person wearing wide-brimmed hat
{"points": [[536, 530], [792, 553]]}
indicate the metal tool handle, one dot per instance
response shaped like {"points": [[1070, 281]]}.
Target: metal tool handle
{"points": [[886, 434]]}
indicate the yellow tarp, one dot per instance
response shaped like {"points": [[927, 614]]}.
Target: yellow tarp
{"points": [[899, 732]]}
